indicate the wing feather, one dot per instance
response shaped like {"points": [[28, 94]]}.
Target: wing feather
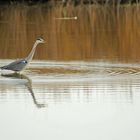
{"points": [[16, 65]]}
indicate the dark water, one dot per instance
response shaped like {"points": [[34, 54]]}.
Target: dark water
{"points": [[84, 82]]}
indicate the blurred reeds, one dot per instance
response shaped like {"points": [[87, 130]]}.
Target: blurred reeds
{"points": [[99, 33], [65, 3]]}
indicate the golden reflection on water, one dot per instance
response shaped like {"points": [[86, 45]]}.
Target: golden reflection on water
{"points": [[105, 33], [119, 91], [73, 82]]}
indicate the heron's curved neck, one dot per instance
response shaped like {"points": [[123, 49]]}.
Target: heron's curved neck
{"points": [[31, 54]]}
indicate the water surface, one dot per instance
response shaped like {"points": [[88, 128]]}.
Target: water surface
{"points": [[71, 100]]}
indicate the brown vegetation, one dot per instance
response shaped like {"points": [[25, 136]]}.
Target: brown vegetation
{"points": [[98, 33]]}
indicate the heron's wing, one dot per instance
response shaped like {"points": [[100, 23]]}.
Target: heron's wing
{"points": [[16, 65]]}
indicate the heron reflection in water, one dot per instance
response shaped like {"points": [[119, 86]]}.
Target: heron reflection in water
{"points": [[28, 84]]}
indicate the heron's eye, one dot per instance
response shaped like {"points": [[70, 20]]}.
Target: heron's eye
{"points": [[39, 39]]}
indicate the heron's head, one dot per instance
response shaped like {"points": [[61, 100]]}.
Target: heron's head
{"points": [[40, 40]]}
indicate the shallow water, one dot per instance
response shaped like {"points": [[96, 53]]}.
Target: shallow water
{"points": [[83, 84], [71, 100]]}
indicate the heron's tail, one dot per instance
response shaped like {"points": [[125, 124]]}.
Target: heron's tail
{"points": [[3, 67]]}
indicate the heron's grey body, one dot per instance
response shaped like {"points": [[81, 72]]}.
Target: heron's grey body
{"points": [[21, 64], [16, 65]]}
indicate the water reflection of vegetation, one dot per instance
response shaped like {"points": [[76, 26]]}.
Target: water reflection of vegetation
{"points": [[28, 84]]}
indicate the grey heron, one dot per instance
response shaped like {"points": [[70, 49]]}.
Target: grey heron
{"points": [[21, 64]]}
